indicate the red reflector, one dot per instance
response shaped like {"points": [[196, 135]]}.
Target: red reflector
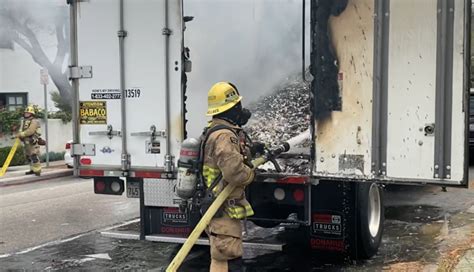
{"points": [[91, 173], [293, 180], [86, 161], [100, 186], [68, 146], [145, 174], [298, 195]]}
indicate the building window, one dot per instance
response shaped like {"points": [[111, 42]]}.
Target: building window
{"points": [[13, 101]]}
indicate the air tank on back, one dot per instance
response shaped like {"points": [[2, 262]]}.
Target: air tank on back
{"points": [[187, 168]]}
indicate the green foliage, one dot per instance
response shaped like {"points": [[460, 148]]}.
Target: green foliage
{"points": [[60, 103], [10, 121], [18, 159], [66, 117], [53, 156]]}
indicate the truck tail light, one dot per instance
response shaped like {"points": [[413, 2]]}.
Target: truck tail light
{"points": [[108, 186], [99, 186], [298, 195]]}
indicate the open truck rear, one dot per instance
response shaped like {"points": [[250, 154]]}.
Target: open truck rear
{"points": [[388, 97]]}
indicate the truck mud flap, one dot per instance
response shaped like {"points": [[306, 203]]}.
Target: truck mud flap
{"points": [[168, 221], [333, 218]]}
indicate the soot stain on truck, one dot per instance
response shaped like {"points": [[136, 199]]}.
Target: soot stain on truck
{"points": [[324, 62]]}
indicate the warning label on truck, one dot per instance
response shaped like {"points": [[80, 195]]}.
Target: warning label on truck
{"points": [[93, 112]]}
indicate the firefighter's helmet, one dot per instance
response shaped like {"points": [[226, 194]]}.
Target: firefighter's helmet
{"points": [[30, 109], [222, 97]]}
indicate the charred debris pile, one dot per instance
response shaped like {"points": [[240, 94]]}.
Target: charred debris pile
{"points": [[281, 116]]}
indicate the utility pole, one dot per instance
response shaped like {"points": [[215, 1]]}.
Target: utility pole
{"points": [[44, 79]]}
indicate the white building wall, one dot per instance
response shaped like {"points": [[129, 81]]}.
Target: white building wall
{"points": [[20, 74]]}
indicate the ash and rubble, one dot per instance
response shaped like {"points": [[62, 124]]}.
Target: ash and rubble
{"points": [[284, 116]]}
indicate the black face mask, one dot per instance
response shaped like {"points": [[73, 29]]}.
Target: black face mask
{"points": [[236, 115], [244, 117]]}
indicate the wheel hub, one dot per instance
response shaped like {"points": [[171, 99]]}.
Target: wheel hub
{"points": [[374, 210]]}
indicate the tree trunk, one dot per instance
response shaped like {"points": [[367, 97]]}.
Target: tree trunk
{"points": [[62, 83]]}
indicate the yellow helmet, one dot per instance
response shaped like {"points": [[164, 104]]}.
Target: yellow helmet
{"points": [[222, 97], [30, 109]]}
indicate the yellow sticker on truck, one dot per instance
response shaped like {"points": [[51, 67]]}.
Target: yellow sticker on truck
{"points": [[93, 112]]}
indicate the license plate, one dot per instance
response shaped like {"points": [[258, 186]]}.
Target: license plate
{"points": [[133, 189]]}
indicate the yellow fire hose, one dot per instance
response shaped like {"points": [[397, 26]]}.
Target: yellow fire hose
{"points": [[205, 220], [9, 157]]}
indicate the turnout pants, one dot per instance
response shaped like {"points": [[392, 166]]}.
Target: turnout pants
{"points": [[225, 236], [32, 152]]}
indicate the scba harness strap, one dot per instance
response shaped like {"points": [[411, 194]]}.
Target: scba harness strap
{"points": [[205, 136], [209, 196]]}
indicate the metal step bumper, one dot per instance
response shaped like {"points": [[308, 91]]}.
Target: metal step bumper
{"points": [[248, 244]]}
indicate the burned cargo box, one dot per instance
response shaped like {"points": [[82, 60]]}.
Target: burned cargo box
{"points": [[385, 72]]}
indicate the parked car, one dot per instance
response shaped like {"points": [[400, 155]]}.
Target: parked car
{"points": [[67, 155]]}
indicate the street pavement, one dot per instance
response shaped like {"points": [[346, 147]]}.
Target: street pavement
{"points": [[35, 213], [55, 224]]}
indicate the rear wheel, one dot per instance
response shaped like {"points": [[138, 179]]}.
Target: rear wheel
{"points": [[369, 218]]}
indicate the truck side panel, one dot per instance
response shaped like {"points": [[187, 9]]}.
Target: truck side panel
{"points": [[105, 64], [349, 132], [411, 88], [402, 82], [144, 76], [145, 71]]}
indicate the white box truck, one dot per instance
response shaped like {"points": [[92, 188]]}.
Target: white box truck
{"points": [[388, 97]]}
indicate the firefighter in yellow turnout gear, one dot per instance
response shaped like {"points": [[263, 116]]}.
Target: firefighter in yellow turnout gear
{"points": [[29, 135], [227, 154]]}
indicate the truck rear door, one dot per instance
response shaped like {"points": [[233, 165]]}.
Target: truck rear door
{"points": [[402, 73], [136, 133]]}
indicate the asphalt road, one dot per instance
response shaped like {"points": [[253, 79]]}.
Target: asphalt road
{"points": [[36, 213], [51, 225]]}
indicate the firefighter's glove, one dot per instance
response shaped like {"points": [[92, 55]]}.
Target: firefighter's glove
{"points": [[257, 148]]}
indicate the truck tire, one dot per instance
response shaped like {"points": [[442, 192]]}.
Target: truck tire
{"points": [[369, 218]]}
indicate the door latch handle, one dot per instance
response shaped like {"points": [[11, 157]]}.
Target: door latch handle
{"points": [[110, 133], [153, 133]]}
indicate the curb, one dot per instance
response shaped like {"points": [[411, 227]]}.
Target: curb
{"points": [[16, 168], [28, 179]]}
